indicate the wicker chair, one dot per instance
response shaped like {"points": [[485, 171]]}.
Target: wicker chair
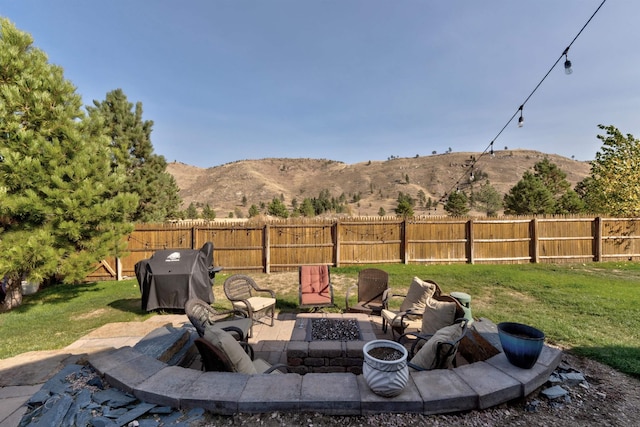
{"points": [[201, 315], [372, 283], [244, 294]]}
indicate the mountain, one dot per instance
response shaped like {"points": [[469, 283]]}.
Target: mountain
{"points": [[377, 182]]}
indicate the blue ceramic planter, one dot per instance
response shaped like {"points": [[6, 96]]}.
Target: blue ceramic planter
{"points": [[522, 344]]}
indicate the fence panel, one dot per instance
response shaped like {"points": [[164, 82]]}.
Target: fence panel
{"points": [[620, 239], [566, 240], [502, 241], [437, 241], [370, 242], [292, 245], [236, 247]]}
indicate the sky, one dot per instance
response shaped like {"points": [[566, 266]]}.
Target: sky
{"points": [[350, 80]]}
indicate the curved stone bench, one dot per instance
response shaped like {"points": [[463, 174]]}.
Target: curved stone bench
{"points": [[478, 385]]}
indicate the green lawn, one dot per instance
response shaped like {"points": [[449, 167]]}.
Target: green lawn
{"points": [[591, 309]]}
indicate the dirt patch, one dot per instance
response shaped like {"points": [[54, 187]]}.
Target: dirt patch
{"points": [[95, 313]]}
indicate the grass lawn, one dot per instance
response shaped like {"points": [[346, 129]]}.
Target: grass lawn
{"points": [[590, 309]]}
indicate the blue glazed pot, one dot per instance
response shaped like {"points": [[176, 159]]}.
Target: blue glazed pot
{"points": [[522, 344]]}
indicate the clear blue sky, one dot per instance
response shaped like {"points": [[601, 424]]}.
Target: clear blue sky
{"points": [[349, 80]]}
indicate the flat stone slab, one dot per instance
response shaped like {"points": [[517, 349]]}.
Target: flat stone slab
{"points": [[217, 392], [443, 391], [127, 376], [492, 385], [167, 386], [409, 401], [271, 392], [330, 393]]}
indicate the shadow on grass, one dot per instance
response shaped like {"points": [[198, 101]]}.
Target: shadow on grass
{"points": [[623, 359], [129, 305], [57, 294]]}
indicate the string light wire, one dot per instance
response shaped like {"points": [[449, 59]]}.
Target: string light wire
{"points": [[520, 108]]}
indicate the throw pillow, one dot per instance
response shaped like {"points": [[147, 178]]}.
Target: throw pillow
{"points": [[227, 344], [419, 292], [439, 312], [427, 357]]}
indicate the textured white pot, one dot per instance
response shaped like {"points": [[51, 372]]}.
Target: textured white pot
{"points": [[385, 377]]}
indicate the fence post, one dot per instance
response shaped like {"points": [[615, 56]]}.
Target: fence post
{"points": [[535, 241], [404, 247], [470, 242], [336, 243], [266, 253], [193, 237], [598, 238], [118, 269]]}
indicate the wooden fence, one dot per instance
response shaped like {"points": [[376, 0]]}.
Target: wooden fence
{"points": [[284, 245]]}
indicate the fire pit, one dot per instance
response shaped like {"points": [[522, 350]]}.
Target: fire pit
{"points": [[328, 342]]}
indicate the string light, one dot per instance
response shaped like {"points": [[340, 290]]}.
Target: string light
{"points": [[521, 119], [567, 70]]}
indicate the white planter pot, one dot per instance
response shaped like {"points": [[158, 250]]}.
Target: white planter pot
{"points": [[386, 378]]}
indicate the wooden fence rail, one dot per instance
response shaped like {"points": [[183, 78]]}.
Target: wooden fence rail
{"points": [[284, 245]]}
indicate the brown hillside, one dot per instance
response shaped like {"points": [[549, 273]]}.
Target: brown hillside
{"points": [[378, 183]]}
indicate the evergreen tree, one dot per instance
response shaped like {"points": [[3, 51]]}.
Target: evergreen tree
{"points": [[191, 212], [62, 207], [488, 199], [405, 205], [277, 208], [529, 197], [253, 211], [614, 184], [208, 213], [381, 211], [457, 204], [307, 209], [130, 141]]}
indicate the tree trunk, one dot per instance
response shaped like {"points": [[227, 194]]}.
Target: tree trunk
{"points": [[13, 297]]}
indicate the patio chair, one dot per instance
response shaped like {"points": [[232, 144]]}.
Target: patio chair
{"points": [[222, 353], [412, 307], [436, 351], [243, 292], [372, 283], [201, 315], [315, 289]]}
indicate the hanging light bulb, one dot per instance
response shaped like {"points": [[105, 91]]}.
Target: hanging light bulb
{"points": [[567, 65], [521, 119], [471, 177], [491, 150]]}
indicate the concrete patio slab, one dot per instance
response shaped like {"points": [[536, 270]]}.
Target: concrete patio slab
{"points": [[330, 393], [271, 392], [409, 401], [443, 391], [217, 392], [167, 386], [492, 385], [127, 376], [532, 378]]}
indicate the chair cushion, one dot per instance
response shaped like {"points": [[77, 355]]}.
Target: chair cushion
{"points": [[393, 318], [314, 279], [227, 344], [316, 299], [426, 356], [438, 314], [419, 292], [257, 303]]}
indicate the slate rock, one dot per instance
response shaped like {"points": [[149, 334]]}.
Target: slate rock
{"points": [[39, 398], [113, 397], [555, 392], [57, 407]]}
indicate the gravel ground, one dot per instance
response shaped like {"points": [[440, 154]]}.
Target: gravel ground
{"points": [[608, 398]]}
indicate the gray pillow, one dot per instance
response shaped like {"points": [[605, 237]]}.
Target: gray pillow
{"points": [[438, 313], [426, 356], [227, 344]]}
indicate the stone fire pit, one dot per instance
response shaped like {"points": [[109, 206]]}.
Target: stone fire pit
{"points": [[328, 342]]}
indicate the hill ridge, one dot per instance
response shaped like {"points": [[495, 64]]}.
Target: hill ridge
{"points": [[376, 182]]}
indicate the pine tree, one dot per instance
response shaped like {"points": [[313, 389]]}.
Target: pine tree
{"points": [[62, 207], [130, 142], [457, 204]]}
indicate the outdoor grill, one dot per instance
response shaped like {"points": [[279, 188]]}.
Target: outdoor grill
{"points": [[171, 277]]}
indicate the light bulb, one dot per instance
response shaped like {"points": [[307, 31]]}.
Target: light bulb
{"points": [[567, 67], [520, 122]]}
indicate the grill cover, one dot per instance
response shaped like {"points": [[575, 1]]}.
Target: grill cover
{"points": [[170, 277]]}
